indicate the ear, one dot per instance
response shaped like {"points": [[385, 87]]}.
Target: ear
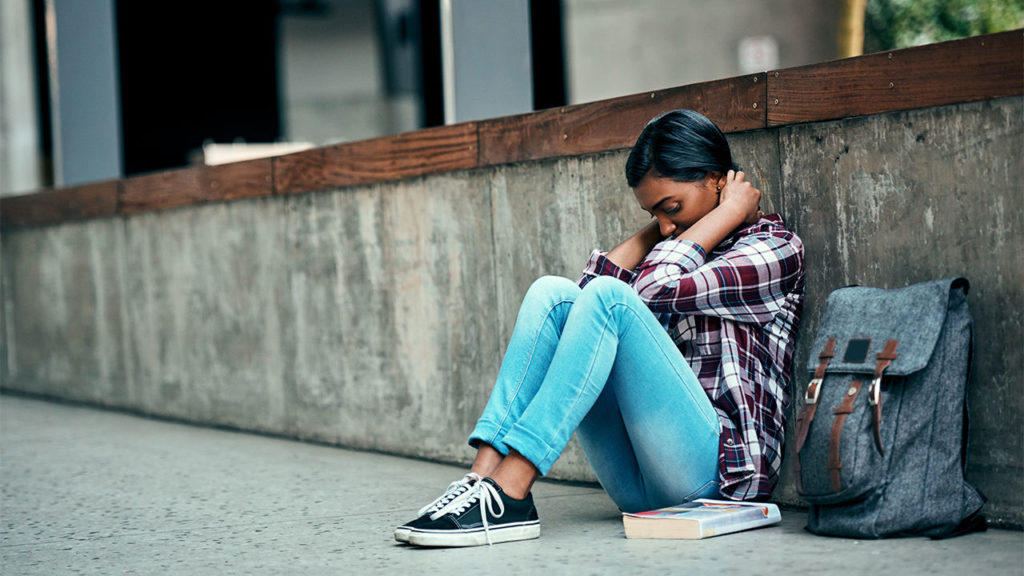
{"points": [[715, 180]]}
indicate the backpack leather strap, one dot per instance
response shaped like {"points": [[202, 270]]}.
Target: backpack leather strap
{"points": [[845, 409], [885, 358], [806, 416]]}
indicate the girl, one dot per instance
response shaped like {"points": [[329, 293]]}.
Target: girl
{"points": [[670, 356]]}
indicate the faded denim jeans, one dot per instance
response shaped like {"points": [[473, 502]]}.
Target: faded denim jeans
{"points": [[597, 360]]}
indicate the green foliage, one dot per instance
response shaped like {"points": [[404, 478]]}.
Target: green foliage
{"points": [[891, 24]]}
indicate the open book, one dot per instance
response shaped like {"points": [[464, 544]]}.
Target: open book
{"points": [[700, 519]]}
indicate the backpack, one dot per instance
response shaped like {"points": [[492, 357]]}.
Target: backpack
{"points": [[881, 436]]}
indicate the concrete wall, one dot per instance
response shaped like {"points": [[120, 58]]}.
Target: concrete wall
{"points": [[375, 316], [892, 200]]}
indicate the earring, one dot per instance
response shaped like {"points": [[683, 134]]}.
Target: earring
{"points": [[718, 188]]}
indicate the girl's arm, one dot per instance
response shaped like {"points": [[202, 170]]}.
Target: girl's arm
{"points": [[749, 282], [634, 249]]}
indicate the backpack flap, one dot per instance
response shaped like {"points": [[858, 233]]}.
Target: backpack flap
{"points": [[865, 334], [863, 320]]}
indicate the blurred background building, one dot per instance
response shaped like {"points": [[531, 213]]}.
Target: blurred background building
{"points": [[100, 89]]}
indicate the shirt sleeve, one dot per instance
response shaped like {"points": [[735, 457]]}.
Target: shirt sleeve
{"points": [[747, 283], [599, 265]]}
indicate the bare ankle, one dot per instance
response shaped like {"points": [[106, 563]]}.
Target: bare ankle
{"points": [[515, 475], [511, 489], [487, 460]]}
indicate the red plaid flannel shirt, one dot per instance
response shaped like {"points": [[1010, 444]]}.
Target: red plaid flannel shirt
{"points": [[734, 316]]}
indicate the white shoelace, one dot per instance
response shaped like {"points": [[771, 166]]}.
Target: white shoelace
{"points": [[454, 490], [488, 497]]}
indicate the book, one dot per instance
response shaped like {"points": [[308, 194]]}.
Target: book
{"points": [[701, 518]]}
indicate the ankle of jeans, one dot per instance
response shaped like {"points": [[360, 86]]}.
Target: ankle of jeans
{"points": [[489, 433], [532, 447]]}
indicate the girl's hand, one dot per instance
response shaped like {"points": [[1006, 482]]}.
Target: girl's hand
{"points": [[740, 196]]}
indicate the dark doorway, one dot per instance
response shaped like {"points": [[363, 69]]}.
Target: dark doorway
{"points": [[548, 54], [193, 71]]}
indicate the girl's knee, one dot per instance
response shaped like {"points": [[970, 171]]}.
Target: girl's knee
{"points": [[553, 287], [609, 286], [607, 293]]}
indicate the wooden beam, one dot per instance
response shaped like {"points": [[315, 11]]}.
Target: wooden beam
{"points": [[237, 180], [430, 151], [96, 200], [162, 190], [979, 68], [734, 104]]}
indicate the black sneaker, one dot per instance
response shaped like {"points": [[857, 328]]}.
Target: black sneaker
{"points": [[484, 515], [428, 512]]}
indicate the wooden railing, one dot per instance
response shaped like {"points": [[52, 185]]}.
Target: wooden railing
{"points": [[979, 68]]}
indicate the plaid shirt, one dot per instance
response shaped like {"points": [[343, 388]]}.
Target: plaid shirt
{"points": [[734, 317]]}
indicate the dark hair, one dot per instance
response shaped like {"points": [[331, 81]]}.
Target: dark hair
{"points": [[682, 145]]}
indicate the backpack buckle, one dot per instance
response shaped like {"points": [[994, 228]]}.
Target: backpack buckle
{"points": [[813, 391], [875, 400]]}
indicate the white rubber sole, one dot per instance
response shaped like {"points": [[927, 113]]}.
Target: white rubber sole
{"points": [[402, 534], [475, 537]]}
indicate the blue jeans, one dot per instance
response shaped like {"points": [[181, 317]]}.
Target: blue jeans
{"points": [[596, 360]]}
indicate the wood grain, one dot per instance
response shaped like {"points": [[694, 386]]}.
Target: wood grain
{"points": [[979, 68], [238, 180], [95, 200], [734, 104], [299, 172], [162, 190], [430, 151]]}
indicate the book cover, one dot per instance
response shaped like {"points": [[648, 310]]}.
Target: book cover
{"points": [[701, 518]]}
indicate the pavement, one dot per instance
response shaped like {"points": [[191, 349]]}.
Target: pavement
{"points": [[89, 491]]}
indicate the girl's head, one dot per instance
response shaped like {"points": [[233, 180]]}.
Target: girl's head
{"points": [[681, 145], [676, 168]]}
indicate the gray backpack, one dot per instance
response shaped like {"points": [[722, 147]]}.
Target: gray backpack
{"points": [[881, 436]]}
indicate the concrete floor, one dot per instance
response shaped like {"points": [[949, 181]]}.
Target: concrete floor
{"points": [[87, 491]]}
